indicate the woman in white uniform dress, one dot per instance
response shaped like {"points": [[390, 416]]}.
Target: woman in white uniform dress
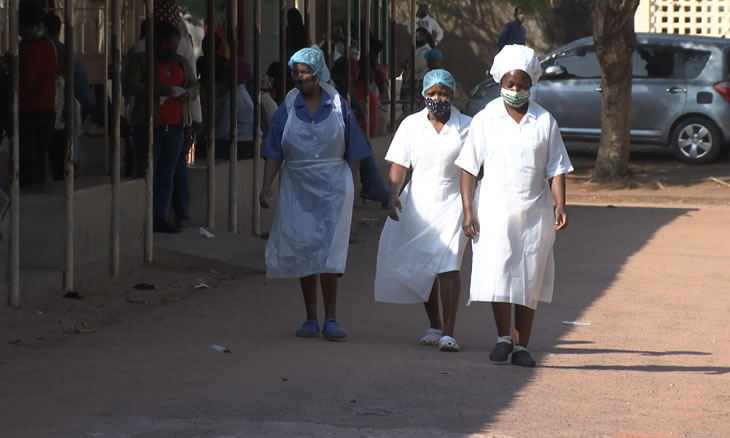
{"points": [[422, 244], [520, 203]]}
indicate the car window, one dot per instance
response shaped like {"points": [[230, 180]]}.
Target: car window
{"points": [[656, 61], [653, 62], [579, 63], [693, 62]]}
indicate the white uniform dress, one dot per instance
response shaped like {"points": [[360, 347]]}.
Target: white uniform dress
{"points": [[428, 239], [513, 255], [311, 228]]}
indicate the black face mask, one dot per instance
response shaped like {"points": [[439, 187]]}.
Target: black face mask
{"points": [[420, 43], [438, 107], [164, 55]]}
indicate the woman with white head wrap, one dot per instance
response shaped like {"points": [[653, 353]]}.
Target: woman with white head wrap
{"points": [[317, 135], [421, 247], [519, 205]]}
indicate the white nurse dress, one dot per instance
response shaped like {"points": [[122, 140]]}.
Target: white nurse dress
{"points": [[428, 239], [513, 255]]}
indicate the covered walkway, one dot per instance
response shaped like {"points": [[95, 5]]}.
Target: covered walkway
{"points": [[101, 221]]}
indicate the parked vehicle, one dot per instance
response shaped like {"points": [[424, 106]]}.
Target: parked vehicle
{"points": [[680, 93]]}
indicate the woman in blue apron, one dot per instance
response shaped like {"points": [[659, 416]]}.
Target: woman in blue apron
{"points": [[317, 136]]}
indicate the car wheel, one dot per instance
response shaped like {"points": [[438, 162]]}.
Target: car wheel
{"points": [[696, 140]]}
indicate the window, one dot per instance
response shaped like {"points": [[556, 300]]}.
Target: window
{"points": [[657, 61], [692, 62], [653, 62], [580, 63]]}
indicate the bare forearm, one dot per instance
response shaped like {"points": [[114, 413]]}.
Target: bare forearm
{"points": [[396, 177], [271, 168], [468, 184], [557, 188]]}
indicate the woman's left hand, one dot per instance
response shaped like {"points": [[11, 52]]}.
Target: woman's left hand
{"points": [[394, 207], [561, 218]]}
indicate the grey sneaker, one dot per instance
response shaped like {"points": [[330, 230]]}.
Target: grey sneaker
{"points": [[500, 352], [523, 359]]}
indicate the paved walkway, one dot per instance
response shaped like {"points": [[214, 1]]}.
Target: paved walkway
{"points": [[654, 361]]}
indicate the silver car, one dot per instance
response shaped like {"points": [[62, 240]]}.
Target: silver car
{"points": [[680, 93]]}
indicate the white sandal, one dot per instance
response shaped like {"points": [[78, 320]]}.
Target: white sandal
{"points": [[432, 337], [447, 343]]}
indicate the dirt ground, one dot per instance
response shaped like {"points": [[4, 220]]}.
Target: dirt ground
{"points": [[643, 262]]}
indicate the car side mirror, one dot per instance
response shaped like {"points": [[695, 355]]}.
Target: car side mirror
{"points": [[555, 71]]}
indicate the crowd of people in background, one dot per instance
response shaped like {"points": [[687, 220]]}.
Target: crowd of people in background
{"points": [[181, 90]]}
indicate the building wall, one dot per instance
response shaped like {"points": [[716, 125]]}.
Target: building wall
{"points": [[686, 17]]}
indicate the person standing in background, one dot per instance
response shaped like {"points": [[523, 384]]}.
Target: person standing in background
{"points": [[85, 98], [175, 85], [434, 58], [169, 12], [513, 32], [38, 66], [424, 20], [296, 33], [244, 104]]}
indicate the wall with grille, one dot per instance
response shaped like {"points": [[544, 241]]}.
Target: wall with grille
{"points": [[686, 17]]}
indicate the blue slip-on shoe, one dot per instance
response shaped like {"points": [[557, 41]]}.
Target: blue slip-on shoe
{"points": [[332, 331], [310, 329]]}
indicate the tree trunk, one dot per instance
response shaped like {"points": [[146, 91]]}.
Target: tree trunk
{"points": [[615, 39]]}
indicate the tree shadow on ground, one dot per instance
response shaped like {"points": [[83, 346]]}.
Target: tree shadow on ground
{"points": [[620, 351], [647, 368]]}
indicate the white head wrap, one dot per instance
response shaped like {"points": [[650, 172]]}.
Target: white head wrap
{"points": [[516, 57]]}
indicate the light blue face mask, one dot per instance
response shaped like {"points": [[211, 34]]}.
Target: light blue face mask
{"points": [[515, 99]]}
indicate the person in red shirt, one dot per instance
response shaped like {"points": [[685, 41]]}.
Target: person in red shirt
{"points": [[38, 66], [175, 86], [359, 87]]}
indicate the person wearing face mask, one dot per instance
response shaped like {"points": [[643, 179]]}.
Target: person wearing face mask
{"points": [[317, 136], [519, 205], [424, 20], [175, 86], [421, 246]]}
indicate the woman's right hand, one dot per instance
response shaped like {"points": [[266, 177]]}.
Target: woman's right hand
{"points": [[470, 225], [266, 199], [394, 206]]}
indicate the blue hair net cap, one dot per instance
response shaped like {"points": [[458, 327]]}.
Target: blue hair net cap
{"points": [[438, 76], [314, 59], [433, 54]]}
